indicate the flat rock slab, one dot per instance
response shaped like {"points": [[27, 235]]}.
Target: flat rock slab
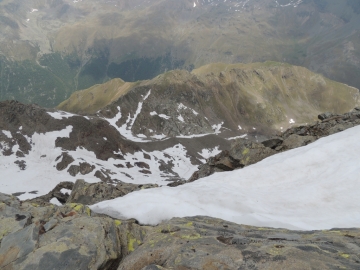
{"points": [[209, 243]]}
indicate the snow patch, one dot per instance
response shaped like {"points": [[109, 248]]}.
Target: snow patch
{"points": [[7, 133], [55, 201], [216, 128], [65, 190], [164, 116], [309, 188], [209, 152], [60, 115], [237, 137]]}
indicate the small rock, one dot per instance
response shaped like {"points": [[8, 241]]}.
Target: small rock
{"points": [[142, 165], [324, 116], [294, 141], [21, 164], [66, 160], [51, 224], [74, 170], [145, 171], [20, 154], [273, 143], [86, 168]]}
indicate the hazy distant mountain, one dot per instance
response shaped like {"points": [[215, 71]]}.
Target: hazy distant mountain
{"points": [[51, 48]]}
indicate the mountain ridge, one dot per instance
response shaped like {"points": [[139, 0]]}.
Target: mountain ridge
{"points": [[243, 97]]}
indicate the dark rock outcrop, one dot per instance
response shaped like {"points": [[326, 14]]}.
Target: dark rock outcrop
{"points": [[66, 159], [86, 193], [244, 153], [86, 133]]}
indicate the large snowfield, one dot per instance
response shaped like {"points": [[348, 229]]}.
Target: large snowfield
{"points": [[312, 187]]}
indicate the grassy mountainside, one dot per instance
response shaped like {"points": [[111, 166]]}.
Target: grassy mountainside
{"points": [[79, 44], [96, 97], [256, 96]]}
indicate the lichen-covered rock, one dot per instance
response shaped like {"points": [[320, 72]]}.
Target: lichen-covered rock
{"points": [[78, 243], [15, 246], [12, 218], [86, 193], [51, 237], [250, 152], [209, 243]]}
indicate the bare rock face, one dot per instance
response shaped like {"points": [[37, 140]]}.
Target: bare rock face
{"points": [[294, 141], [244, 153], [67, 237], [86, 193]]}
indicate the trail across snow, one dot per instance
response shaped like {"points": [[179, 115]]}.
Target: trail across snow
{"points": [[312, 187]]}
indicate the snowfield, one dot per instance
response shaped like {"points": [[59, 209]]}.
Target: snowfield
{"points": [[41, 175], [312, 187]]}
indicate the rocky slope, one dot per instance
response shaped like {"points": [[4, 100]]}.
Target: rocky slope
{"points": [[71, 236], [55, 228], [244, 153], [158, 131], [44, 147], [51, 48], [258, 99]]}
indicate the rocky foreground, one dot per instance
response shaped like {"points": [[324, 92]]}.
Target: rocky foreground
{"points": [[34, 236]]}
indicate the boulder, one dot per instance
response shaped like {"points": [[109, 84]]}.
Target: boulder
{"points": [[248, 152], [86, 168], [324, 116], [12, 219], [273, 142], [294, 141], [76, 243], [242, 154], [17, 245], [74, 170], [66, 237]]}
